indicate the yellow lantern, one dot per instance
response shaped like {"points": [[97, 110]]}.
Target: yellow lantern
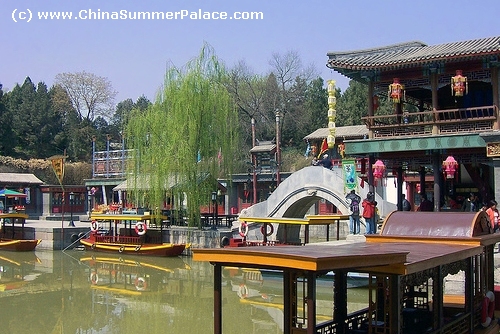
{"points": [[459, 84], [396, 91]]}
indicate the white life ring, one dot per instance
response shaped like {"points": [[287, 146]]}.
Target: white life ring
{"points": [[121, 249], [94, 225], [487, 309], [93, 277], [243, 291], [265, 231], [141, 228], [243, 229], [140, 284]]}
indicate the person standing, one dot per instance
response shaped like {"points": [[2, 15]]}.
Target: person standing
{"points": [[470, 204], [369, 213], [354, 201], [425, 204], [493, 215], [326, 162], [405, 204]]}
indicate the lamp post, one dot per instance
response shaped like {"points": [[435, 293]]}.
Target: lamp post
{"points": [[278, 149], [71, 200], [214, 205]]}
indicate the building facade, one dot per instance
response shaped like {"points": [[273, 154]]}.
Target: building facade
{"points": [[445, 121]]}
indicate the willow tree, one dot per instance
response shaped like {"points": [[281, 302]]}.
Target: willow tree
{"points": [[186, 139]]}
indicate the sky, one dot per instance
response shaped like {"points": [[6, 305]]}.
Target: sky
{"points": [[134, 54]]}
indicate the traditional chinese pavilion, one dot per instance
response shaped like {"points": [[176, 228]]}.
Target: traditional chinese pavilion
{"points": [[445, 121]]}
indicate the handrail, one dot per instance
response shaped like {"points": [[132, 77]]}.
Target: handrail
{"points": [[422, 122]]}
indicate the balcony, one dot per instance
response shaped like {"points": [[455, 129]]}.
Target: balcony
{"points": [[448, 121]]}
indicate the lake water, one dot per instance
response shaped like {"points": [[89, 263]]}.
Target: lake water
{"points": [[85, 292]]}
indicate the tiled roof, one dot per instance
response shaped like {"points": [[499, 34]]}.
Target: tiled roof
{"points": [[19, 178], [263, 148], [412, 53], [351, 131]]}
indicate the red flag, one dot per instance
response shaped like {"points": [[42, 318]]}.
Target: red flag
{"points": [[324, 148]]}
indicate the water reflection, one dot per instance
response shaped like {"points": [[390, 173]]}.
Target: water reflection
{"points": [[85, 292]]}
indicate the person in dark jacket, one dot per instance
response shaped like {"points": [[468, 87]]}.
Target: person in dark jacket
{"points": [[354, 202], [425, 204], [326, 162], [470, 204]]}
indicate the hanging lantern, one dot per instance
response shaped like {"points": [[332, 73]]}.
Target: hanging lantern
{"points": [[341, 150], [450, 167], [459, 84], [417, 187], [378, 169], [396, 91]]}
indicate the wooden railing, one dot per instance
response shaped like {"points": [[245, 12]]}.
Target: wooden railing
{"points": [[441, 121], [354, 321]]}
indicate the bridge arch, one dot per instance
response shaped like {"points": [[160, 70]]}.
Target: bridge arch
{"points": [[296, 194]]}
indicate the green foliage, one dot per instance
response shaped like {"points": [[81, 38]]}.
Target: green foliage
{"points": [[194, 116], [352, 105], [316, 105]]}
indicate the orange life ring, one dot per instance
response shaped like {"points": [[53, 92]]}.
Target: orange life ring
{"points": [[141, 228], [243, 291], [140, 284], [487, 309], [93, 277], [243, 229], [94, 225], [264, 230]]}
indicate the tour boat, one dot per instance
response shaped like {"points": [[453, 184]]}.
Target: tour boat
{"points": [[13, 239], [136, 240]]}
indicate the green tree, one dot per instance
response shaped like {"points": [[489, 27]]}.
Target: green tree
{"points": [[193, 118], [316, 105], [352, 105], [7, 139]]}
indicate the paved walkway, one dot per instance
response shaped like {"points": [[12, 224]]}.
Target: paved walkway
{"points": [[56, 223]]}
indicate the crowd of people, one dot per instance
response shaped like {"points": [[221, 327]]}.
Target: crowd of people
{"points": [[367, 209]]}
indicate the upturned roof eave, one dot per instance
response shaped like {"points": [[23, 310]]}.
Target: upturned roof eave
{"points": [[405, 64]]}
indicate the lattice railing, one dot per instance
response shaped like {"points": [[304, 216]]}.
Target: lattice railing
{"points": [[422, 123]]}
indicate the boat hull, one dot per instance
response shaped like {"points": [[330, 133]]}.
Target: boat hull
{"points": [[19, 245], [165, 249]]}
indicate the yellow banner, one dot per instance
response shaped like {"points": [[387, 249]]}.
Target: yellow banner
{"points": [[57, 162]]}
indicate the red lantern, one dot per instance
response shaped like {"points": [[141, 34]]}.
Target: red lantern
{"points": [[396, 91], [341, 149], [450, 167], [417, 187], [378, 170], [459, 84]]}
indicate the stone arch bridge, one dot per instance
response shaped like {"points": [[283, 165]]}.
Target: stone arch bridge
{"points": [[296, 194]]}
